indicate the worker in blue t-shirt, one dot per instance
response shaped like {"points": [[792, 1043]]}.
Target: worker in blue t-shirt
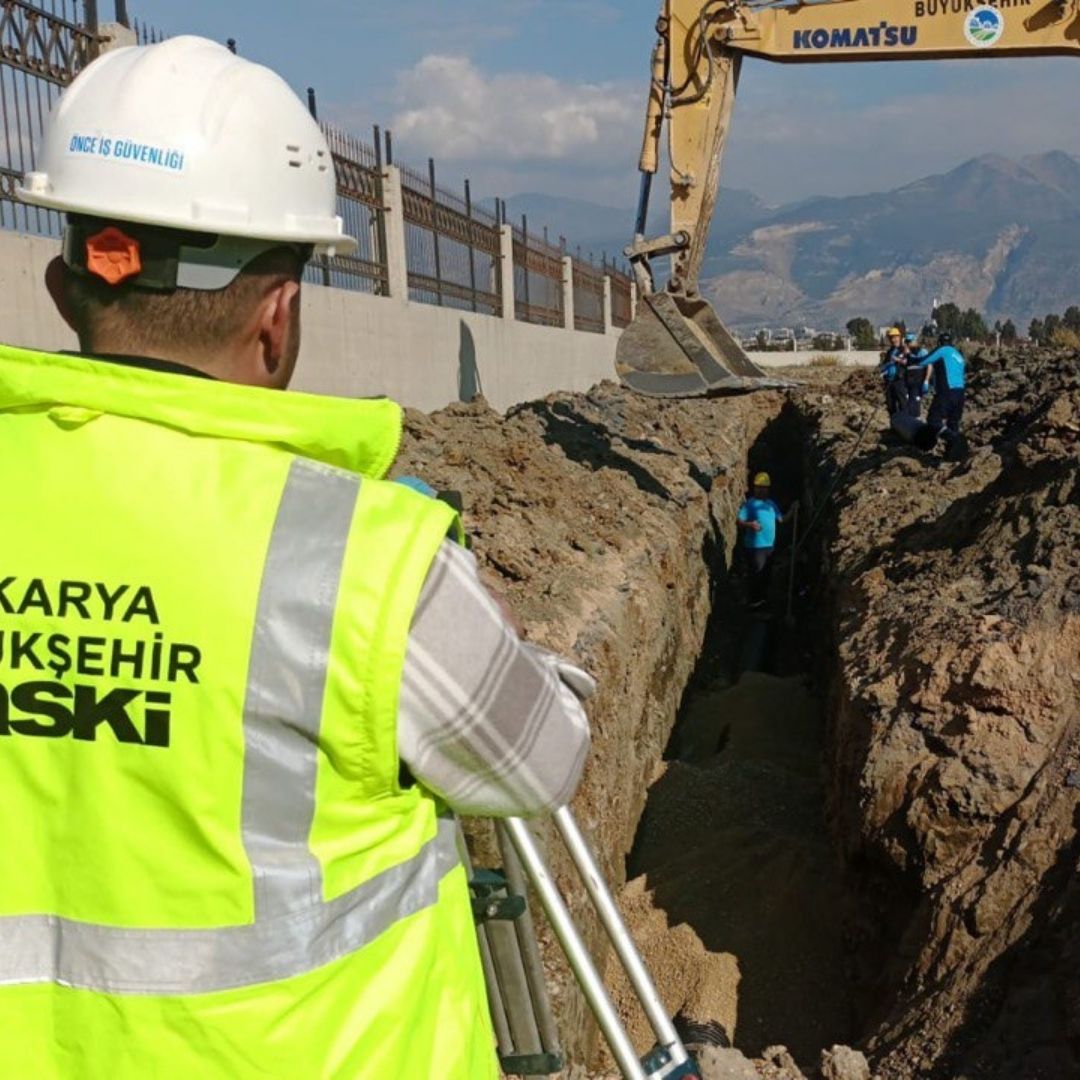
{"points": [[892, 369], [914, 374], [758, 518], [947, 372]]}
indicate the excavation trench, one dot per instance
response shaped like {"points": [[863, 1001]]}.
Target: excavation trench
{"points": [[855, 829], [610, 523], [733, 843]]}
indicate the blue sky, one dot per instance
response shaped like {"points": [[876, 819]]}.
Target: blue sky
{"points": [[547, 95]]}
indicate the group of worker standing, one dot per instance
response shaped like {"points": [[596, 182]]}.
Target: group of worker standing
{"points": [[910, 372]]}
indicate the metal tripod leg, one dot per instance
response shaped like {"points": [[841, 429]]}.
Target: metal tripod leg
{"points": [[528, 948], [499, 1021], [576, 952], [525, 1030], [670, 1046]]}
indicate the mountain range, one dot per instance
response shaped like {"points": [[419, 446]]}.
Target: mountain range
{"points": [[996, 234]]}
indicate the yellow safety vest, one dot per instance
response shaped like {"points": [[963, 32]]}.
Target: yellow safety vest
{"points": [[210, 867]]}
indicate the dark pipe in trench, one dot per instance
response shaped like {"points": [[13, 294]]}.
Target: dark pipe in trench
{"points": [[915, 431]]}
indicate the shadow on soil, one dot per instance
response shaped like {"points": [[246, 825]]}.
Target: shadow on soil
{"points": [[590, 444]]}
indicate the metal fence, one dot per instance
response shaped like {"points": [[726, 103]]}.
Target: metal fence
{"points": [[144, 34], [453, 245], [538, 278], [360, 204], [43, 46], [622, 304], [588, 297]]}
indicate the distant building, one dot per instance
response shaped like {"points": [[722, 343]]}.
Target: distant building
{"points": [[789, 338]]}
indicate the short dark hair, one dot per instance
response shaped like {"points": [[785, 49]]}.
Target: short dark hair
{"points": [[148, 321]]}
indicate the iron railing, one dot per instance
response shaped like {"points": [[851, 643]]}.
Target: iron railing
{"points": [[43, 46], [538, 278], [145, 34], [452, 246], [588, 297], [621, 300], [361, 206]]}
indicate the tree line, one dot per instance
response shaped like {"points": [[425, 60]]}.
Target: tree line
{"points": [[1057, 329], [970, 325]]}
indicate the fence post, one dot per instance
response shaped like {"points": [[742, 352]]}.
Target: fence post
{"points": [[376, 220], [397, 266], [114, 35], [609, 325], [506, 269], [525, 260], [568, 291], [435, 228], [472, 241]]}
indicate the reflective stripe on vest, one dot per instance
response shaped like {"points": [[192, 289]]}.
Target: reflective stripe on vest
{"points": [[286, 681], [294, 931]]}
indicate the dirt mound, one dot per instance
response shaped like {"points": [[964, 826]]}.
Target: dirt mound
{"points": [[956, 722]]}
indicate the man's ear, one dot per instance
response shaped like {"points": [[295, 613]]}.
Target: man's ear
{"points": [[280, 310], [55, 273]]}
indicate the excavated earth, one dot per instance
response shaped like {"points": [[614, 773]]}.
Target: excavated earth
{"points": [[954, 722], [855, 826]]}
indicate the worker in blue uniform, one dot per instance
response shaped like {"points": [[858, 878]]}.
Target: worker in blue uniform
{"points": [[914, 374], [892, 370], [758, 518], [947, 372]]}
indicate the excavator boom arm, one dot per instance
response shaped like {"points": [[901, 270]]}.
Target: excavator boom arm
{"points": [[854, 30], [695, 76]]}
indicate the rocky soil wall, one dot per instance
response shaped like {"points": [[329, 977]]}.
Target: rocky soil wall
{"points": [[600, 517], [954, 616]]}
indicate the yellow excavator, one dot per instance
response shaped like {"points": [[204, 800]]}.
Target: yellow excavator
{"points": [[676, 345]]}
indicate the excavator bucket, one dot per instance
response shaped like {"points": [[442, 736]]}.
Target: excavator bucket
{"points": [[677, 347]]}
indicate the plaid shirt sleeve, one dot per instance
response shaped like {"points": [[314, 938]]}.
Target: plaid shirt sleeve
{"points": [[492, 724]]}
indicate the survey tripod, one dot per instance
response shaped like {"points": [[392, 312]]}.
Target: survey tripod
{"points": [[517, 993]]}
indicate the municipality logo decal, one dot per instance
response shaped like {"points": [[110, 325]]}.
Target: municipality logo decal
{"points": [[984, 27]]}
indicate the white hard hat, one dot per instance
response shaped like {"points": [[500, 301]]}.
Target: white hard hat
{"points": [[184, 135]]}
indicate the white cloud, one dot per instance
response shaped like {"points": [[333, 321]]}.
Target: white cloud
{"points": [[797, 132], [452, 110]]}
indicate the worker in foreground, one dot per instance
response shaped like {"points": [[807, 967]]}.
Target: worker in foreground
{"points": [[758, 519], [243, 676]]}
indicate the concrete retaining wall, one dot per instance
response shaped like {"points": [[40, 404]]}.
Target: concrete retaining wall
{"points": [[425, 356], [355, 345], [27, 315]]}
